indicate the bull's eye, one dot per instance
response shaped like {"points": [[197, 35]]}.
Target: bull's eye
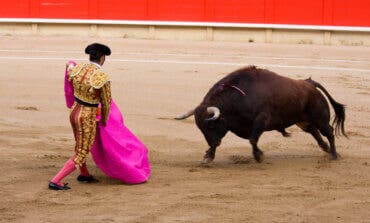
{"points": [[211, 124]]}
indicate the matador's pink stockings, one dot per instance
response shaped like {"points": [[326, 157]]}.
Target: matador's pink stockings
{"points": [[68, 168]]}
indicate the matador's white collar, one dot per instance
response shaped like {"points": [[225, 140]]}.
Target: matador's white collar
{"points": [[96, 64]]}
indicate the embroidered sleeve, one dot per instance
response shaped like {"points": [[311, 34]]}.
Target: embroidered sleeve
{"points": [[105, 94], [99, 79]]}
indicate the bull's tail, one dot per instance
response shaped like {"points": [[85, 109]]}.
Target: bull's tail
{"points": [[339, 109]]}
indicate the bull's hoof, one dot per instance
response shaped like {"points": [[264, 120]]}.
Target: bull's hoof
{"points": [[325, 147], [207, 160], [335, 156], [258, 156]]}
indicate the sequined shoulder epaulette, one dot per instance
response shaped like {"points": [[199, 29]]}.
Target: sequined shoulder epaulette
{"points": [[73, 71], [98, 79]]}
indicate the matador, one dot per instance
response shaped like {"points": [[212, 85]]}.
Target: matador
{"points": [[91, 87]]}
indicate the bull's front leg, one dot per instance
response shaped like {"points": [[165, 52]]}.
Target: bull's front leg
{"points": [[258, 128], [210, 155], [257, 153]]}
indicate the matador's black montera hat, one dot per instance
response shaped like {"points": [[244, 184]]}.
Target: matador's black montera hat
{"points": [[97, 49]]}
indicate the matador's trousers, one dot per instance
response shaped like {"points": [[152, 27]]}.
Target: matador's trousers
{"points": [[83, 121]]}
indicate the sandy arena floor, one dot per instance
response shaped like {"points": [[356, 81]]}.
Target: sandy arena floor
{"points": [[154, 81]]}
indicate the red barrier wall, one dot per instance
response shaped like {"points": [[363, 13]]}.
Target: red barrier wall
{"points": [[305, 12]]}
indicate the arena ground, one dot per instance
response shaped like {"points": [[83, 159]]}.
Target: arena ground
{"points": [[154, 81]]}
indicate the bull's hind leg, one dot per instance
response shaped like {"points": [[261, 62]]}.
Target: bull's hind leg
{"points": [[316, 134], [328, 132], [258, 128]]}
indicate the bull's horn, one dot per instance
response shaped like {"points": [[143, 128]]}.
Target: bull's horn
{"points": [[186, 115], [215, 111]]}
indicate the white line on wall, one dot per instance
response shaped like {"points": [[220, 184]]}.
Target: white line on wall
{"points": [[196, 63], [358, 60], [189, 24]]}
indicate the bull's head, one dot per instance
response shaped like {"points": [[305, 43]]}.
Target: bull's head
{"points": [[211, 124]]}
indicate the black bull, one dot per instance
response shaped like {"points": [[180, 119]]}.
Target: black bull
{"points": [[250, 101]]}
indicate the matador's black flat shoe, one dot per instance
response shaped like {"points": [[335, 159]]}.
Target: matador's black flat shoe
{"points": [[54, 186], [87, 179]]}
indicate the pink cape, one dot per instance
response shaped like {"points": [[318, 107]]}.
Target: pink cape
{"points": [[116, 150]]}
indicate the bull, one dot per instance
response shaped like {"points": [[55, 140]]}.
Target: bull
{"points": [[250, 101]]}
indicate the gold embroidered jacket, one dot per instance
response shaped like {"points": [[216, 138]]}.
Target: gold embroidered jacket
{"points": [[91, 85]]}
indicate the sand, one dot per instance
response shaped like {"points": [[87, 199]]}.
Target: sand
{"points": [[154, 81]]}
